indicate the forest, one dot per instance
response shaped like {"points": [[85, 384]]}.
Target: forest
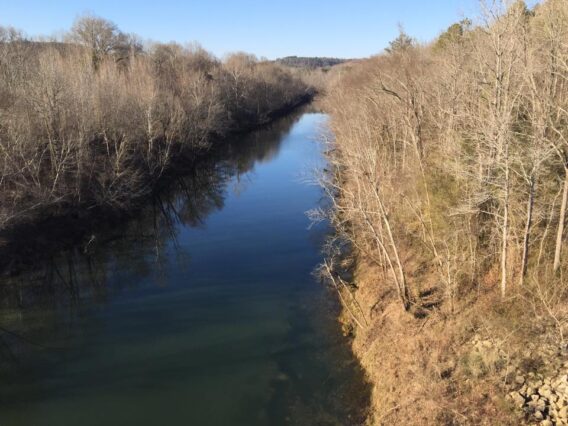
{"points": [[450, 187], [96, 119]]}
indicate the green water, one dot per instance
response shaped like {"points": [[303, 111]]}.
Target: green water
{"points": [[203, 310]]}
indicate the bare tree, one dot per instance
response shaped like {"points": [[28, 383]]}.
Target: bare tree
{"points": [[99, 35], [98, 121]]}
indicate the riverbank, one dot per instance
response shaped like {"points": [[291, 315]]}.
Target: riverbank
{"points": [[488, 363], [449, 192], [84, 131], [59, 228]]}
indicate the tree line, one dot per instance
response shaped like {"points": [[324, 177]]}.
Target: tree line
{"points": [[97, 119], [452, 157], [310, 62]]}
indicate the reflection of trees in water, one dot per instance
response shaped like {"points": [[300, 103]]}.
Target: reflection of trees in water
{"points": [[35, 299]]}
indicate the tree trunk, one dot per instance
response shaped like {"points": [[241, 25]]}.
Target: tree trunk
{"points": [[561, 219], [504, 251], [526, 238], [505, 235], [402, 278]]}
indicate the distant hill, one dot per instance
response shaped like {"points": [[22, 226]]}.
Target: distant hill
{"points": [[310, 62]]}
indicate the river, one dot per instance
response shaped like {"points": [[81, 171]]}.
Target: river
{"points": [[202, 310]]}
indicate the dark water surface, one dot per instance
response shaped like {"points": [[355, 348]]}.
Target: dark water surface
{"points": [[201, 311]]}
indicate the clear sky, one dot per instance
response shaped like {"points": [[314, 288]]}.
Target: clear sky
{"points": [[270, 28]]}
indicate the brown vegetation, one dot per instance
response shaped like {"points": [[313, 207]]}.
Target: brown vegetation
{"points": [[450, 183], [98, 120]]}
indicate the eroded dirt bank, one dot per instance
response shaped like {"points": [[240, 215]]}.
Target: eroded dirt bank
{"points": [[475, 366]]}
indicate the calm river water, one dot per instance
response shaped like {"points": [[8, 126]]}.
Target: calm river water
{"points": [[203, 310]]}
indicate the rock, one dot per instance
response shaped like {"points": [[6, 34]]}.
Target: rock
{"points": [[517, 399], [542, 394], [538, 405], [545, 391]]}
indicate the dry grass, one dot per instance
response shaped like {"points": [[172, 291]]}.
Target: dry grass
{"points": [[426, 371]]}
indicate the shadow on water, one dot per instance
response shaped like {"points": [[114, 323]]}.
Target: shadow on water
{"points": [[188, 201], [171, 307]]}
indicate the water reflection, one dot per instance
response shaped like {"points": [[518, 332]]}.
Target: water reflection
{"points": [[80, 271], [202, 306]]}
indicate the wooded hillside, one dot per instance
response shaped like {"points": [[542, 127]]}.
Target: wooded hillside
{"points": [[310, 62], [450, 183], [97, 119]]}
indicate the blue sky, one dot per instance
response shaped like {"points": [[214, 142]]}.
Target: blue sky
{"points": [[270, 28]]}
